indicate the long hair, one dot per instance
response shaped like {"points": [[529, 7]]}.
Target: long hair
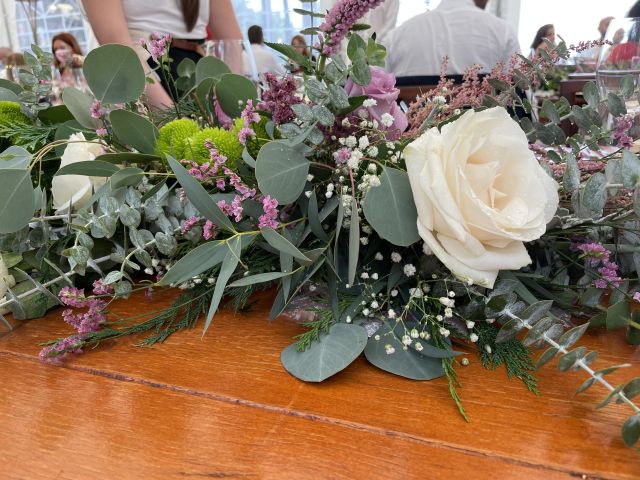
{"points": [[70, 40], [190, 10], [301, 39], [541, 34]]}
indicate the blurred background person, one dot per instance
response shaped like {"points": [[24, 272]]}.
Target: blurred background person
{"points": [[67, 56], [300, 44], [126, 21], [546, 32], [458, 29], [261, 58], [634, 11]]}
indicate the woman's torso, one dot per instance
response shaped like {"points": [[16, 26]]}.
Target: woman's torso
{"points": [[164, 16]]}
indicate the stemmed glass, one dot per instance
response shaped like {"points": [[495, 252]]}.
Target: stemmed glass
{"points": [[620, 58], [229, 51]]}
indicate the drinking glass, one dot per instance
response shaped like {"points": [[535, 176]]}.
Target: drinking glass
{"points": [[620, 59], [229, 51]]}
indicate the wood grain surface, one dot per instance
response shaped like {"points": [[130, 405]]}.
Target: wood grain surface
{"points": [[222, 406]]}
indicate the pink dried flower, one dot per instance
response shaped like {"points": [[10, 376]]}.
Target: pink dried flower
{"points": [[99, 288], [278, 97], [269, 219], [339, 21], [248, 115], [158, 45], [244, 133]]}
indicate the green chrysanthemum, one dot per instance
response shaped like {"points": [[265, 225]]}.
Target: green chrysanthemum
{"points": [[10, 114], [226, 141], [174, 135]]}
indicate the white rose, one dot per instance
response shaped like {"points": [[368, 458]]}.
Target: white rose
{"points": [[75, 189], [480, 193], [6, 281]]}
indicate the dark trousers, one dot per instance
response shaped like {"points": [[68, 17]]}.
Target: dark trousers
{"points": [[177, 55]]}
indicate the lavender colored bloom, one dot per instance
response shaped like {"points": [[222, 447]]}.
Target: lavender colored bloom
{"points": [[248, 115], [596, 255], [269, 219], [339, 21], [244, 133], [57, 352], [278, 98], [621, 127], [158, 45]]}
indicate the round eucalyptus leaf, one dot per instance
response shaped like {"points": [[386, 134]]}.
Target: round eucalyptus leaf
{"points": [[210, 67], [324, 358], [79, 104], [135, 130], [9, 85], [7, 95], [281, 172], [17, 200], [114, 74], [187, 67], [55, 114], [406, 363], [233, 91], [390, 209]]}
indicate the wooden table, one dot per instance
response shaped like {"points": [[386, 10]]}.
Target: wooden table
{"points": [[223, 407]]}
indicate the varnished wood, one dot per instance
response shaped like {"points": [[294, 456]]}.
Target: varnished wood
{"points": [[223, 406]]}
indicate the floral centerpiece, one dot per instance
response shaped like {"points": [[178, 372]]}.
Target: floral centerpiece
{"points": [[403, 235]]}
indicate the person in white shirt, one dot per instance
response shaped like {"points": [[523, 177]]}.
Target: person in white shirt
{"points": [[126, 21], [458, 29], [261, 59]]}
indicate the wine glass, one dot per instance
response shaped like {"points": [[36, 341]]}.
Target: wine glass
{"points": [[618, 59], [229, 51]]}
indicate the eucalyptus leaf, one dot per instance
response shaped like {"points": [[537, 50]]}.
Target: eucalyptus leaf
{"points": [[15, 157], [134, 130], [281, 172], [210, 67], [197, 261], [79, 104], [114, 74], [406, 363], [199, 196], [631, 430], [259, 278], [618, 315], [89, 168], [17, 202], [283, 245], [332, 353], [390, 208], [233, 92], [630, 169], [231, 259]]}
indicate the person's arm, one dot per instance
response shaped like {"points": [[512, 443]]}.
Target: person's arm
{"points": [[224, 26], [110, 26]]}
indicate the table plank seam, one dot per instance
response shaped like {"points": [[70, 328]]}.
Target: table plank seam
{"points": [[313, 417]]}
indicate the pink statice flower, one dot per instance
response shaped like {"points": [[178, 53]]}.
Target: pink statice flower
{"points": [[101, 132], [158, 45], [597, 256], [99, 288], [270, 216], [244, 133], [636, 297], [57, 352], [248, 115]]}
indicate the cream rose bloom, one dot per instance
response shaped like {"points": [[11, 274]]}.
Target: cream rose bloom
{"points": [[480, 193], [6, 281], [75, 190]]}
